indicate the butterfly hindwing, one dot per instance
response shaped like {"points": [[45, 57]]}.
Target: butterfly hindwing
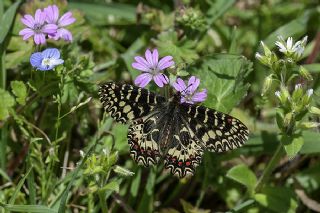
{"points": [[125, 102], [220, 132], [143, 139], [184, 151]]}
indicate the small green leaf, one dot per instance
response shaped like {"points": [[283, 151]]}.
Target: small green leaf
{"points": [[122, 171], [112, 186], [135, 184], [242, 174], [7, 101], [292, 144], [277, 199], [19, 89]]}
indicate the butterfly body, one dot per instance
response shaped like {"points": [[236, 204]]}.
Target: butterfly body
{"points": [[177, 133]]}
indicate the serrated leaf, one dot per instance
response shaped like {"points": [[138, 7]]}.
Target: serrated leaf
{"points": [[223, 76], [292, 144], [242, 174], [7, 101], [277, 199], [19, 89]]}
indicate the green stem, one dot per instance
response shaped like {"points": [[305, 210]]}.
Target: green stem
{"points": [[103, 203], [269, 168]]}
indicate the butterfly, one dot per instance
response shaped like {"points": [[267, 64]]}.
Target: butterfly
{"points": [[177, 133]]}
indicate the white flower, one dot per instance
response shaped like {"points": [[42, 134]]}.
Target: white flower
{"points": [[289, 48], [81, 153], [278, 94], [258, 56], [297, 86], [309, 92]]}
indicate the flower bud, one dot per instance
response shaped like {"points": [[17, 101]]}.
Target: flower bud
{"points": [[122, 171], [314, 110], [309, 125], [305, 73], [267, 84]]}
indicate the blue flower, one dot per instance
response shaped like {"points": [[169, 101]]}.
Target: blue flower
{"points": [[46, 60]]}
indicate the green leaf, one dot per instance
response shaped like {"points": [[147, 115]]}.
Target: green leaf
{"points": [[18, 187], [28, 208], [242, 174], [223, 76], [135, 184], [311, 142], [7, 101], [314, 68], [277, 199], [112, 186], [182, 50], [19, 89], [292, 144], [7, 20], [111, 13]]}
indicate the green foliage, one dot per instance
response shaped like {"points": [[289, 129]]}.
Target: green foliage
{"points": [[60, 153], [242, 174], [223, 76]]}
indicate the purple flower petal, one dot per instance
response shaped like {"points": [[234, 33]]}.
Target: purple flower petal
{"points": [[179, 85], [51, 53], [161, 79], [26, 31], [52, 14], [143, 79], [39, 17], [39, 38], [165, 62], [155, 57], [28, 21], [139, 66], [143, 61], [49, 28], [148, 56], [36, 59], [66, 19], [193, 84], [200, 96], [64, 34]]}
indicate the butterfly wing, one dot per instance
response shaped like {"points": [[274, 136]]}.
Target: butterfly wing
{"points": [[125, 102], [184, 151], [218, 131], [143, 138]]}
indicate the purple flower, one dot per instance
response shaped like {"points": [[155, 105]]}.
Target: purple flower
{"points": [[37, 27], [46, 60], [52, 17], [152, 68], [189, 93]]}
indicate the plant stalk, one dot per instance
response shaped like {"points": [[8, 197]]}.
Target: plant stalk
{"points": [[269, 168]]}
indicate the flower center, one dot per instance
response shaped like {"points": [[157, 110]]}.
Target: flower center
{"points": [[47, 62], [37, 28], [154, 70]]}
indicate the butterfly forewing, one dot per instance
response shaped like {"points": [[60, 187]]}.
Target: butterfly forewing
{"points": [[218, 131], [125, 103], [176, 133]]}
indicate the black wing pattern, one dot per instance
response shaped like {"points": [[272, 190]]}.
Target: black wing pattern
{"points": [[218, 131], [125, 102], [170, 131]]}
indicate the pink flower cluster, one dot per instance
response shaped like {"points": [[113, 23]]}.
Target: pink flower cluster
{"points": [[152, 69], [46, 22]]}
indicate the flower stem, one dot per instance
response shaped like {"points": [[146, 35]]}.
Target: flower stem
{"points": [[269, 168]]}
